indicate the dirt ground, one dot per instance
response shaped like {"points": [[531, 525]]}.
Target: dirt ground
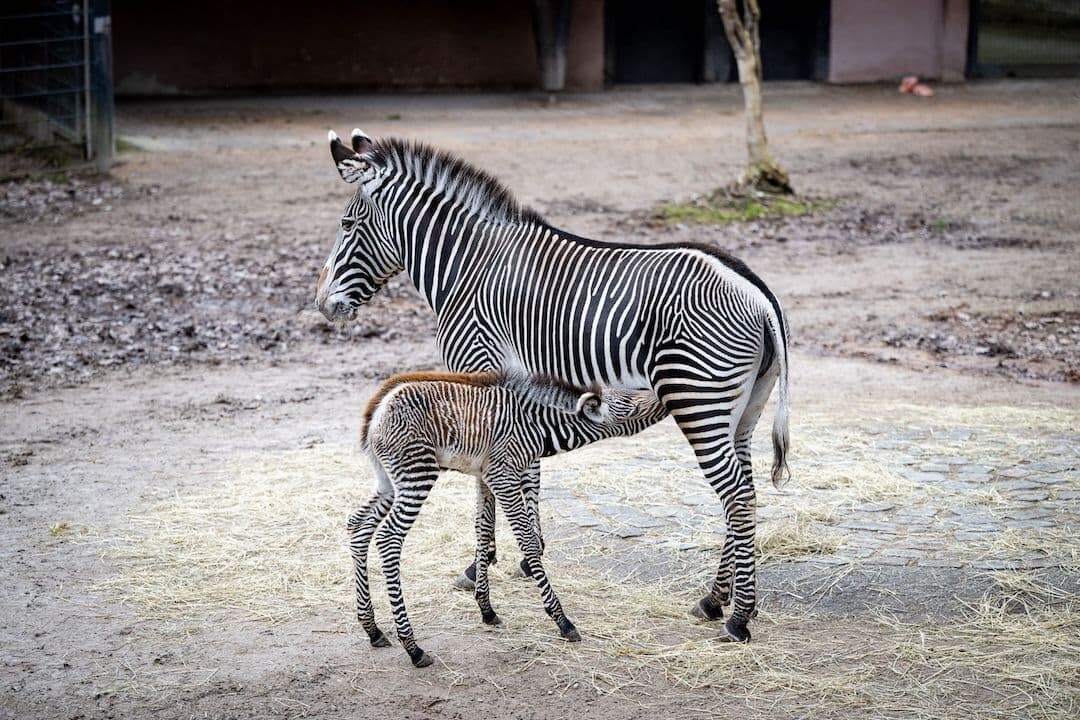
{"points": [[159, 349]]}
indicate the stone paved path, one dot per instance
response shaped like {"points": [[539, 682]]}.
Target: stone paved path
{"points": [[985, 496]]}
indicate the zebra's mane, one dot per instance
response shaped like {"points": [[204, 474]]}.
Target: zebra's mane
{"points": [[474, 188]]}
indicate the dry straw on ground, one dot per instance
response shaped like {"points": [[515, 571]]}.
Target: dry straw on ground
{"points": [[264, 542]]}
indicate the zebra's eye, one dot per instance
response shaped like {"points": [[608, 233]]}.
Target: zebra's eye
{"points": [[347, 224]]}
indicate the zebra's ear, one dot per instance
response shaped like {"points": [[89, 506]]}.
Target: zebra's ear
{"points": [[348, 162], [590, 405]]}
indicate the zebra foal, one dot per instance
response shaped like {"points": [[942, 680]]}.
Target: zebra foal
{"points": [[495, 426]]}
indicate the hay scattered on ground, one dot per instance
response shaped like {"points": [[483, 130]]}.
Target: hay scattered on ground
{"points": [[264, 541]]}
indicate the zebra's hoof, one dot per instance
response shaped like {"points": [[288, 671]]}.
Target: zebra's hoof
{"points": [[464, 582], [492, 619], [422, 659], [708, 609], [737, 631], [378, 639]]}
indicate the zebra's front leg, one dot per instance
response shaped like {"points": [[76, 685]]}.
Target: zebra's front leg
{"points": [[412, 490], [485, 539], [507, 490], [361, 528]]}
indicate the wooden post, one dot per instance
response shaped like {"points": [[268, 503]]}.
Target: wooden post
{"points": [[551, 27]]}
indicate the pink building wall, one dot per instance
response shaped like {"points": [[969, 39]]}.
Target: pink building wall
{"points": [[875, 40]]}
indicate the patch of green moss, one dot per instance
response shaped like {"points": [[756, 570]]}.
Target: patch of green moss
{"points": [[723, 208]]}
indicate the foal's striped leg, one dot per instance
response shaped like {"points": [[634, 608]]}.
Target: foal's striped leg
{"points": [[485, 539], [530, 492], [412, 488], [361, 528], [507, 490]]}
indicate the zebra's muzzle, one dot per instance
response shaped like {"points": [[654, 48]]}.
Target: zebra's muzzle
{"points": [[338, 309]]}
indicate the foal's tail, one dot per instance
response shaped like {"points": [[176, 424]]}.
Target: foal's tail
{"points": [[780, 437]]}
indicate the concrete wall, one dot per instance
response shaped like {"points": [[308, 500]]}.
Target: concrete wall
{"points": [[874, 40], [212, 47]]}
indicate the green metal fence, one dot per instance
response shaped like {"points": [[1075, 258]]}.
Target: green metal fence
{"points": [[1026, 37], [56, 100]]}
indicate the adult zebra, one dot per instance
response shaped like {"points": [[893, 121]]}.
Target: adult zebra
{"points": [[691, 323]]}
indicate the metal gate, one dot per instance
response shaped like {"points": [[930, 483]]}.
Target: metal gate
{"points": [[56, 99]]}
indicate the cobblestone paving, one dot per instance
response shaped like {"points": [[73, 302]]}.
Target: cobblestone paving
{"points": [[999, 493]]}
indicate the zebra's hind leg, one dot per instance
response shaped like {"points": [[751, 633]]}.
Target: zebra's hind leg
{"points": [[485, 538], [706, 410], [412, 490], [361, 527], [711, 607], [507, 490]]}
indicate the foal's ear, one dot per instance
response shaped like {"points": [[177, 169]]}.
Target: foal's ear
{"points": [[348, 162], [361, 143], [590, 405], [646, 403]]}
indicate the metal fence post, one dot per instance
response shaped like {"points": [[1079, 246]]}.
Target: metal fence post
{"points": [[101, 85]]}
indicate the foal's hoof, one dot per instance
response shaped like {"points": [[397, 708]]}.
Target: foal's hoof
{"points": [[569, 632], [378, 639], [422, 659], [464, 582], [708, 609], [736, 631], [492, 619]]}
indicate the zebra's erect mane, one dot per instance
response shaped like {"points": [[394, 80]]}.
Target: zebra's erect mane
{"points": [[474, 188]]}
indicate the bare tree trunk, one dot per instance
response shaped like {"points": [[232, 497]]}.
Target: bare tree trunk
{"points": [[762, 171]]}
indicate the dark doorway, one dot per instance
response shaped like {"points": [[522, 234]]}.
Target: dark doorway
{"points": [[683, 41], [795, 39], [650, 42]]}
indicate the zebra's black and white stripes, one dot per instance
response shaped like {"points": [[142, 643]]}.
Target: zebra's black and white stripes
{"points": [[691, 323], [494, 426]]}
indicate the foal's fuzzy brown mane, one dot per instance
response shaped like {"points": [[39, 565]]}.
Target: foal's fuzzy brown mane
{"points": [[488, 378], [477, 379]]}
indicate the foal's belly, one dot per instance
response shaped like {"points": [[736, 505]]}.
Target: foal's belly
{"points": [[454, 459]]}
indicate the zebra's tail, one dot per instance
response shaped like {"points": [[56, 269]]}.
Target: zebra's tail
{"points": [[781, 473]]}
